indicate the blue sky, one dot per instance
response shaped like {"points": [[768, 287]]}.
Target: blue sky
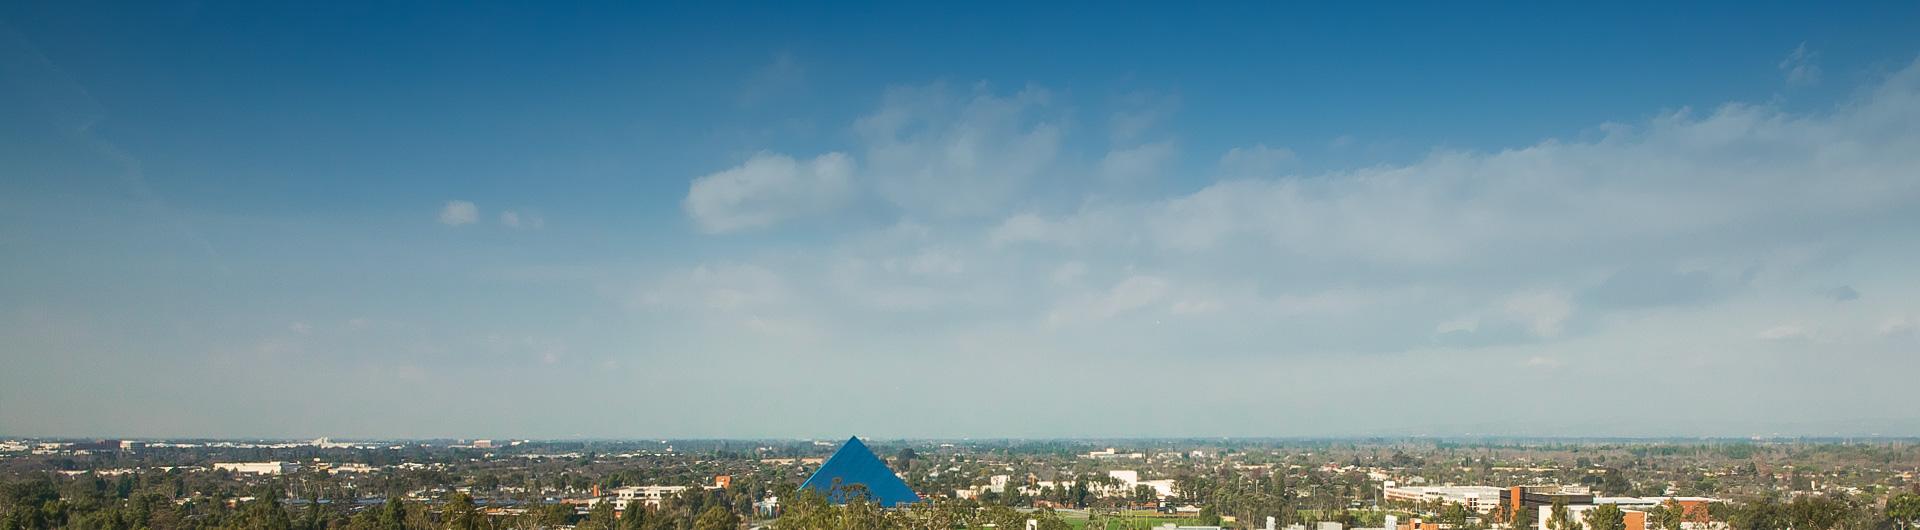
{"points": [[983, 220]]}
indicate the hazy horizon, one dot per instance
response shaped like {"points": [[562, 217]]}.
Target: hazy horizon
{"points": [[984, 221]]}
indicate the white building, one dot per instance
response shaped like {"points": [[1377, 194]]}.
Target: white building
{"points": [[1481, 499], [1635, 519], [1110, 453], [650, 495], [257, 468], [1130, 480]]}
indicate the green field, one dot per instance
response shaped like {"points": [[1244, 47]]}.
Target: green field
{"points": [[1133, 520], [1136, 520]]}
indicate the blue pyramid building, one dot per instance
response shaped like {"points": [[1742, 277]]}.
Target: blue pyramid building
{"points": [[855, 464]]}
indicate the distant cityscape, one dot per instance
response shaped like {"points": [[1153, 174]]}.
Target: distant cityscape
{"points": [[1358, 484]]}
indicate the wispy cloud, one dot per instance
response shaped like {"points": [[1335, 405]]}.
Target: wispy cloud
{"points": [[784, 75], [1801, 66], [935, 151], [457, 212], [768, 188], [1785, 332], [515, 219], [1256, 160], [1544, 244], [1137, 163]]}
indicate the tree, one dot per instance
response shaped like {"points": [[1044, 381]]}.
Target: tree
{"points": [[459, 513], [1757, 514], [807, 509], [266, 513], [1049, 520], [1667, 516], [1454, 514], [1817, 512], [601, 517], [1209, 517], [717, 518], [1143, 494], [1606, 517], [1614, 483], [313, 519], [1904, 509], [635, 518], [1528, 518], [26, 504], [1078, 494], [1503, 514], [545, 515], [1559, 519]]}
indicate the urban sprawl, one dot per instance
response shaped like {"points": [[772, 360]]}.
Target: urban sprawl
{"points": [[1372, 484]]}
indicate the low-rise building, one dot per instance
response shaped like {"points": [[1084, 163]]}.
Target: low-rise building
{"points": [[648, 495], [348, 468], [257, 468], [1482, 499]]}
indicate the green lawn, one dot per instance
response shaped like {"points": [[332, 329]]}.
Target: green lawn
{"points": [[1135, 521]]}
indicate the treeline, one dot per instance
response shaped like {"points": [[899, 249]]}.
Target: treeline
{"points": [[1805, 512], [44, 503], [1819, 512], [160, 503], [808, 510]]}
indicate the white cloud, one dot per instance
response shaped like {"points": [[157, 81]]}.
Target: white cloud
{"points": [[1661, 189], [515, 219], [1525, 254], [1544, 312], [1801, 66], [1068, 273], [727, 287], [1134, 292], [1899, 326], [928, 262], [1785, 332], [1196, 306], [895, 277], [1139, 112], [934, 152], [1022, 228], [457, 213], [1464, 324], [1536, 245], [1090, 225], [1139, 162], [768, 188], [1256, 160]]}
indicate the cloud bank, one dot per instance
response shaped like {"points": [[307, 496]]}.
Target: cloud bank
{"points": [[1697, 236]]}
